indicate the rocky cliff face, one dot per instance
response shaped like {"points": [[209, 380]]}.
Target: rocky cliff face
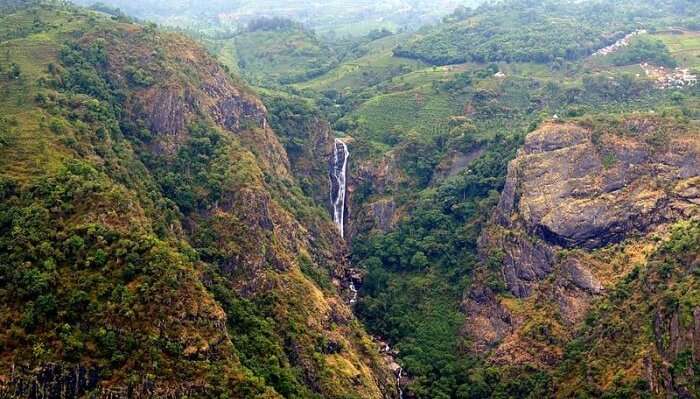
{"points": [[185, 84], [572, 187], [454, 163], [573, 192], [378, 180]]}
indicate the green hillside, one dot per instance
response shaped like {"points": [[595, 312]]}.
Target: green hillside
{"points": [[543, 32], [331, 17], [376, 65], [285, 54], [150, 228]]}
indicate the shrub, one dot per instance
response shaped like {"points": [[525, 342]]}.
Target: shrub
{"points": [[57, 126], [15, 71], [138, 77]]}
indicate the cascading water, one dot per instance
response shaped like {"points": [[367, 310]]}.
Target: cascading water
{"points": [[398, 370], [353, 290], [338, 186], [338, 171]]}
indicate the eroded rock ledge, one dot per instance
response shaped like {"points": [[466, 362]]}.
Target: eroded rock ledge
{"points": [[575, 188], [572, 191]]}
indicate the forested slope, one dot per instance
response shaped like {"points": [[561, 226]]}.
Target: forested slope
{"points": [[541, 31], [154, 240]]}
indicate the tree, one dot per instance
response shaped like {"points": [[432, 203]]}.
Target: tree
{"points": [[419, 261], [645, 49], [14, 72], [4, 132]]}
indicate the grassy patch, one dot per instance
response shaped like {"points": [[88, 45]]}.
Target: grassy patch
{"points": [[388, 117], [685, 47], [280, 56], [377, 65]]}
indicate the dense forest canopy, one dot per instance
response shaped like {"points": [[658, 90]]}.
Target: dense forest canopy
{"points": [[541, 31]]}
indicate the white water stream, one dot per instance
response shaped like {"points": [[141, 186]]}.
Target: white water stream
{"points": [[338, 183], [398, 370], [338, 175], [353, 289]]}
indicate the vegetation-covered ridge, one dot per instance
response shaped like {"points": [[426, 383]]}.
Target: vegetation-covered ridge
{"points": [[541, 31], [642, 340], [334, 17], [154, 240]]}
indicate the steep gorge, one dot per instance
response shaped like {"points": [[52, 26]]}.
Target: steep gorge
{"points": [[588, 209], [170, 232]]}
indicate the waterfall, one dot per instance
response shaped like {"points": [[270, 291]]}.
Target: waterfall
{"points": [[338, 185], [398, 382], [353, 289]]}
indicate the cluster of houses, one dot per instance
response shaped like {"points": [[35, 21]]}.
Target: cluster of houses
{"points": [[624, 42], [667, 78]]}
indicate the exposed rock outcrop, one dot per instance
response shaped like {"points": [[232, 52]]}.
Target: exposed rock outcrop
{"points": [[525, 260], [455, 162], [378, 182], [383, 212], [489, 321], [570, 187], [576, 188], [189, 87], [571, 191], [573, 290]]}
